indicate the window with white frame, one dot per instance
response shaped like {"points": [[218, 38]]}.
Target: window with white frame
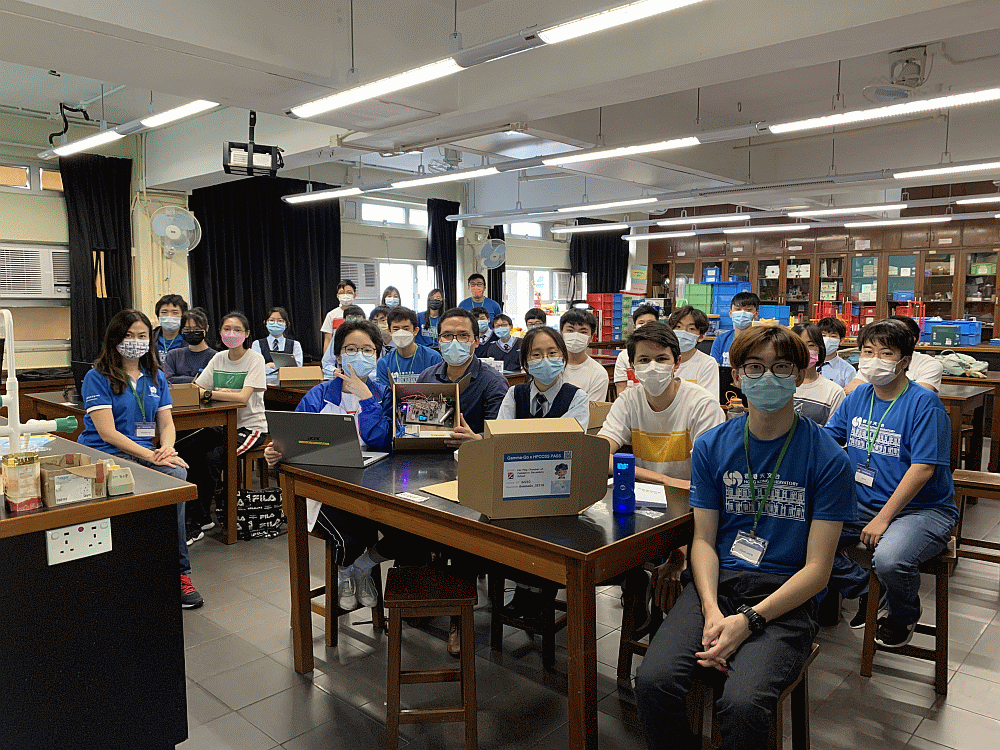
{"points": [[28, 177], [394, 214], [524, 229], [525, 288]]}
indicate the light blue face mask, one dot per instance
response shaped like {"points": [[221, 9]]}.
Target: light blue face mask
{"points": [[362, 364], [546, 370], [456, 352], [483, 325], [275, 329], [502, 332], [768, 393], [686, 339], [392, 301], [832, 345], [742, 319]]}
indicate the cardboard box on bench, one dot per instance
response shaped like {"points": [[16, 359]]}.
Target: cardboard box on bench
{"points": [[511, 472], [306, 375], [71, 478], [598, 413], [432, 437], [185, 394]]}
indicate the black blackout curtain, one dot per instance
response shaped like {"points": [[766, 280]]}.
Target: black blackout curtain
{"points": [[603, 256], [257, 251], [494, 276], [97, 190], [442, 247]]}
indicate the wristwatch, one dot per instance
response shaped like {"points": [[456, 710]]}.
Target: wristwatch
{"points": [[206, 396], [756, 620]]}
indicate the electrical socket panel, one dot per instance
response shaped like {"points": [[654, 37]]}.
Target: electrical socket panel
{"points": [[78, 541]]}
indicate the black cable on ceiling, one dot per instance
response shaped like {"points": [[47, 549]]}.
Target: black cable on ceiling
{"points": [[63, 109]]}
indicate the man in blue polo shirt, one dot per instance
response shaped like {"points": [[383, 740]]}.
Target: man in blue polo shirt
{"points": [[407, 359], [743, 310], [477, 287], [898, 439], [482, 388]]}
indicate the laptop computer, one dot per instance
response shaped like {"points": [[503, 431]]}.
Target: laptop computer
{"points": [[281, 359], [306, 438]]}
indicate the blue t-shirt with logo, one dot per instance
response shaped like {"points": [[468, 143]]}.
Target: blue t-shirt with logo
{"points": [[814, 483], [97, 394], [492, 306], [393, 368], [720, 347], [915, 431]]}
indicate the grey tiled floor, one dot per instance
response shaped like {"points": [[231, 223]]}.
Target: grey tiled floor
{"points": [[244, 694]]}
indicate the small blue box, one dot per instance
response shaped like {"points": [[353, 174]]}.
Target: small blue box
{"points": [[902, 297]]}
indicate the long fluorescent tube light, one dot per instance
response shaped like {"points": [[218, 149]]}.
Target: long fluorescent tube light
{"points": [[375, 89], [321, 195], [657, 236], [602, 206], [446, 177], [898, 222], [610, 153], [891, 110], [178, 113], [585, 228], [91, 141], [973, 201], [935, 171], [767, 228], [717, 219], [610, 18], [847, 210]]}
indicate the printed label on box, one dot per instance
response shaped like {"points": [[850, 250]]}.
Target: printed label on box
{"points": [[71, 488], [537, 475]]}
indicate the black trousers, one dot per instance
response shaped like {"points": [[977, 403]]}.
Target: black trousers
{"points": [[764, 665]]}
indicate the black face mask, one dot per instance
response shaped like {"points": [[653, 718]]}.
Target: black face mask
{"points": [[435, 304], [193, 338]]}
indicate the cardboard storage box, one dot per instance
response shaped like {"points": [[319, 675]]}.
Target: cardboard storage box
{"points": [[525, 468], [412, 433], [185, 394], [71, 478], [598, 413], [308, 375]]}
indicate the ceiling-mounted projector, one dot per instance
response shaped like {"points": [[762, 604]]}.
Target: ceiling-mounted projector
{"points": [[251, 158]]}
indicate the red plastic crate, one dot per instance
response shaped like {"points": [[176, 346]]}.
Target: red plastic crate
{"points": [[867, 311]]}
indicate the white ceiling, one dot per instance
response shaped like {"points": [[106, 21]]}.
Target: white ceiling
{"points": [[751, 59]]}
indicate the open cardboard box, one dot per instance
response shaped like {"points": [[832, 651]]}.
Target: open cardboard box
{"points": [[427, 437], [598, 413], [185, 394], [526, 468], [72, 478], [306, 375]]}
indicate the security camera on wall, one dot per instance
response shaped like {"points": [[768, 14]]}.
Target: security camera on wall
{"points": [[251, 158]]}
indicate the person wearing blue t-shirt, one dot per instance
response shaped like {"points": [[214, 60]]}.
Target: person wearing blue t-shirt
{"points": [[427, 321], [769, 501], [477, 288], [407, 359], [898, 438], [128, 405], [743, 311]]}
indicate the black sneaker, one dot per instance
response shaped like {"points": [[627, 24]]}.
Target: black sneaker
{"points": [[858, 621], [194, 534], [190, 598], [893, 634]]}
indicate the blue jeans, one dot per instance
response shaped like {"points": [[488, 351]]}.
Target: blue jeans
{"points": [[913, 537], [176, 473]]}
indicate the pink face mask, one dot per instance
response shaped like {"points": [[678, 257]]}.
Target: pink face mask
{"points": [[813, 358], [232, 339]]}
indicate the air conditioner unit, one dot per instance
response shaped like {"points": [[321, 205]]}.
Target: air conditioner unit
{"points": [[34, 272], [365, 275]]}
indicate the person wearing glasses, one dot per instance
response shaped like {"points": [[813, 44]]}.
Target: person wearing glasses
{"points": [[899, 442], [478, 298], [329, 361], [770, 493]]}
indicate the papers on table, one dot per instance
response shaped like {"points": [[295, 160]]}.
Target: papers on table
{"points": [[648, 495]]}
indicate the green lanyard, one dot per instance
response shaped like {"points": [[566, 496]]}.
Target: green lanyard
{"points": [[140, 401], [872, 438], [395, 358], [770, 484]]}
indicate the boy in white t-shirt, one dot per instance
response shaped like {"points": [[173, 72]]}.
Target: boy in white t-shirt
{"points": [[690, 326], [347, 290], [624, 377], [839, 370], [816, 397], [923, 369], [577, 328]]}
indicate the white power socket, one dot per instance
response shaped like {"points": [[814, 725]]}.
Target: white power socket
{"points": [[81, 540]]}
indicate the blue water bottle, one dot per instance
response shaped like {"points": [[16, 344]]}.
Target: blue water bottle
{"points": [[623, 490]]}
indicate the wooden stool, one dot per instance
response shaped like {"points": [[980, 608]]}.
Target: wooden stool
{"points": [[247, 460], [630, 642], [969, 485], [328, 609], [798, 690], [940, 567], [429, 592], [546, 626]]}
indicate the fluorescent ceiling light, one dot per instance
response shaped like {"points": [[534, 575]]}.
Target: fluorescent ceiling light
{"points": [[321, 195], [588, 228], [767, 228], [375, 89], [446, 177], [898, 222], [891, 110], [610, 153], [658, 236], [719, 218], [178, 113], [602, 206], [91, 141], [935, 171], [972, 201], [610, 18], [848, 210]]}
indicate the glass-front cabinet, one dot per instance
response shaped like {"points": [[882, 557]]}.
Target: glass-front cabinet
{"points": [[769, 281], [831, 279], [939, 284], [980, 285], [798, 275], [683, 275], [864, 279], [902, 286], [739, 270]]}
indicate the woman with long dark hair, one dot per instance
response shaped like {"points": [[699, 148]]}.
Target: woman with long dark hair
{"points": [[428, 321], [128, 405]]}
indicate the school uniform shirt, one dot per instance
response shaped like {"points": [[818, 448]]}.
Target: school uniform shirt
{"points": [[915, 431], [818, 400], [662, 440], [492, 307], [578, 409], [334, 314], [590, 376], [392, 367], [720, 347], [427, 334], [509, 352], [484, 343], [272, 372], [163, 345], [97, 394], [248, 370], [701, 370], [813, 483], [623, 370], [373, 422], [481, 394], [184, 365], [840, 371], [923, 369]]}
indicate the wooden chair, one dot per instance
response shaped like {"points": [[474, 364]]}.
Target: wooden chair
{"points": [[630, 641], [429, 592], [328, 609], [547, 626], [969, 485], [246, 463], [798, 691]]}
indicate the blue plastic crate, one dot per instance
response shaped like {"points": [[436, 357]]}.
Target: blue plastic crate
{"points": [[969, 327], [902, 297], [730, 287], [725, 322], [970, 339]]}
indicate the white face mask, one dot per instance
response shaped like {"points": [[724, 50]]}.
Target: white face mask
{"points": [[576, 342], [402, 339], [878, 371], [654, 376], [345, 299]]}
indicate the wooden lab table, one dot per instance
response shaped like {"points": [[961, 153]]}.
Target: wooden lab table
{"points": [[284, 397], [960, 400], [992, 380], [215, 414], [577, 551]]}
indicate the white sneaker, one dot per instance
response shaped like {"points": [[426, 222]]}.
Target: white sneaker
{"points": [[367, 593], [348, 599]]}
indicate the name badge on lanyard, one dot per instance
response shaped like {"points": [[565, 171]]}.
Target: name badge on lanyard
{"points": [[865, 476], [145, 429], [749, 548]]}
